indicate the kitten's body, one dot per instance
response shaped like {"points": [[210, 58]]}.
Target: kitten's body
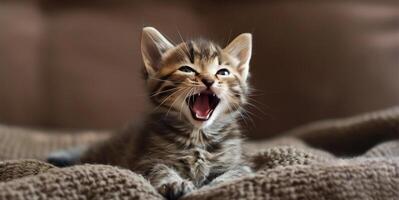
{"points": [[168, 151], [193, 137]]}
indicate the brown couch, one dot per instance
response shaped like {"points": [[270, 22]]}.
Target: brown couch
{"points": [[68, 64]]}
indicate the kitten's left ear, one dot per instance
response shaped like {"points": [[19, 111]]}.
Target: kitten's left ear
{"points": [[241, 49]]}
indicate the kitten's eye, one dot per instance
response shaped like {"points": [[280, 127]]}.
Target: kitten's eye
{"points": [[223, 72], [187, 69]]}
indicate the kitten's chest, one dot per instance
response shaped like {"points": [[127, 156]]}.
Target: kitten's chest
{"points": [[198, 155], [198, 164]]}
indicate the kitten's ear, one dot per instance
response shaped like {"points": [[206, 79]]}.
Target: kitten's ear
{"points": [[241, 49], [153, 46]]}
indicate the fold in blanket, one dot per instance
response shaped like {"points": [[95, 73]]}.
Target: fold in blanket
{"points": [[352, 158]]}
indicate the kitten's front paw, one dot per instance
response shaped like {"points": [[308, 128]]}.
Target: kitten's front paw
{"points": [[175, 190]]}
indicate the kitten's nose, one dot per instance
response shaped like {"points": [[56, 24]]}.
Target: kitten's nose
{"points": [[208, 83]]}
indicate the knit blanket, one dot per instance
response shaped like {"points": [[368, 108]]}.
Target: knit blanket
{"points": [[350, 158]]}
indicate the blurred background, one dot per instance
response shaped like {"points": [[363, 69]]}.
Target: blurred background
{"points": [[71, 64]]}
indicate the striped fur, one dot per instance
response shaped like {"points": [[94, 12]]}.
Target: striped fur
{"points": [[175, 152]]}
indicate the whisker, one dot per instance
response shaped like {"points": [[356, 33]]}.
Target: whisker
{"points": [[245, 112], [252, 104], [176, 99], [238, 108], [158, 93], [184, 101], [232, 110], [248, 103], [178, 82], [183, 41], [166, 98]]}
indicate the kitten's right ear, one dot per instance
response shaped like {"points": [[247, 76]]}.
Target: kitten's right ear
{"points": [[153, 46]]}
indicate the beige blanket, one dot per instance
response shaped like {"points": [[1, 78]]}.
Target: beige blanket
{"points": [[352, 158]]}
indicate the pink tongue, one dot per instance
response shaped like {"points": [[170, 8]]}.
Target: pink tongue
{"points": [[201, 106]]}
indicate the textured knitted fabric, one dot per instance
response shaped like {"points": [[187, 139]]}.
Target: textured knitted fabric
{"points": [[351, 158], [19, 143]]}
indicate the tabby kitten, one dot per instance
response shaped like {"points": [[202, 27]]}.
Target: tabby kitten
{"points": [[193, 137]]}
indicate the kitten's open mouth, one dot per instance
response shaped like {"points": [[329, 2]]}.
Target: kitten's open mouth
{"points": [[202, 105]]}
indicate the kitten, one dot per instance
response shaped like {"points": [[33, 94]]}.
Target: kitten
{"points": [[193, 137]]}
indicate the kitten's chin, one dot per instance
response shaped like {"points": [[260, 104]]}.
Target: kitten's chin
{"points": [[201, 123]]}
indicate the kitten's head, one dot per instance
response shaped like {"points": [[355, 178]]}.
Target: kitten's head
{"points": [[197, 80]]}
